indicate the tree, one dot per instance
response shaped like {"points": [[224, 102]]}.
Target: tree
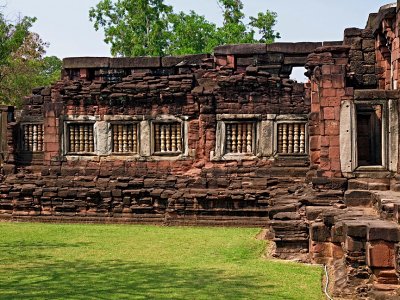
{"points": [[234, 31], [149, 27], [133, 27], [12, 36], [265, 23], [22, 62], [49, 70], [190, 34]]}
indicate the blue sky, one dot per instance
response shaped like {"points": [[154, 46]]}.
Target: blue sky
{"points": [[66, 26]]}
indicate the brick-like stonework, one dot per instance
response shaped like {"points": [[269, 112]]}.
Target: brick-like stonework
{"points": [[227, 139]]}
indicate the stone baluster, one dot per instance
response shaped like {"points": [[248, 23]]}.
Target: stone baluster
{"points": [[34, 137], [228, 138], [280, 138], [284, 139], [134, 138], [244, 138], [173, 137], [290, 138], [249, 138], [115, 137], [81, 138], [296, 137], [85, 138], [26, 137], [129, 129], [40, 137], [76, 133], [120, 139], [71, 138], [124, 138], [302, 138], [162, 137], [178, 137], [157, 135], [91, 139], [167, 137], [234, 139], [30, 142], [239, 138]]}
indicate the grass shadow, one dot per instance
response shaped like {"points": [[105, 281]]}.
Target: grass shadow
{"points": [[127, 280]]}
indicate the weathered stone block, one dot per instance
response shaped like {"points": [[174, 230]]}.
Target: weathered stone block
{"points": [[368, 45], [356, 229], [319, 232], [350, 32], [381, 230], [354, 245], [380, 255]]}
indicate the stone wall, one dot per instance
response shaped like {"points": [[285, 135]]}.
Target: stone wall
{"points": [[243, 95], [328, 90], [226, 139]]}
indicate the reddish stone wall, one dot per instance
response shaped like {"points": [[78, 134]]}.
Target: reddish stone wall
{"points": [[355, 231], [328, 89], [197, 185]]}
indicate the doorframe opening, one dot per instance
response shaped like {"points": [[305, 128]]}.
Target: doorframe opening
{"points": [[348, 138]]}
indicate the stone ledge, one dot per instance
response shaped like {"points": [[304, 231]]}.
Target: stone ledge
{"points": [[376, 94], [86, 62]]}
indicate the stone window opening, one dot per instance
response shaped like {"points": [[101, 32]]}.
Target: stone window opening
{"points": [[240, 137], [125, 138], [237, 137], [167, 138], [80, 138], [291, 138], [32, 137]]}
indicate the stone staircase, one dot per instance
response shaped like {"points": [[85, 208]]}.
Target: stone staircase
{"points": [[360, 240]]}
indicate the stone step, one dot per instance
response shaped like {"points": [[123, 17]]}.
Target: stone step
{"points": [[359, 198], [374, 184], [388, 204]]}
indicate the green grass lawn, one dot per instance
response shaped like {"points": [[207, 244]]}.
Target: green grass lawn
{"points": [[52, 261]]}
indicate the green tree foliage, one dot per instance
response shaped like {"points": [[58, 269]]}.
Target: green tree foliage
{"points": [[12, 36], [133, 27], [149, 27], [234, 31], [22, 62], [265, 23], [190, 34]]}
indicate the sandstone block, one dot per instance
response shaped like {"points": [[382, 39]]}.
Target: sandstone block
{"points": [[319, 232], [380, 255]]}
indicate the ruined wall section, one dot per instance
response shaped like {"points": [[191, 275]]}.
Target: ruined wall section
{"points": [[383, 25], [203, 94], [362, 71]]}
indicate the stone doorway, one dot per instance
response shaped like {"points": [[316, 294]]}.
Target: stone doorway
{"points": [[369, 134]]}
